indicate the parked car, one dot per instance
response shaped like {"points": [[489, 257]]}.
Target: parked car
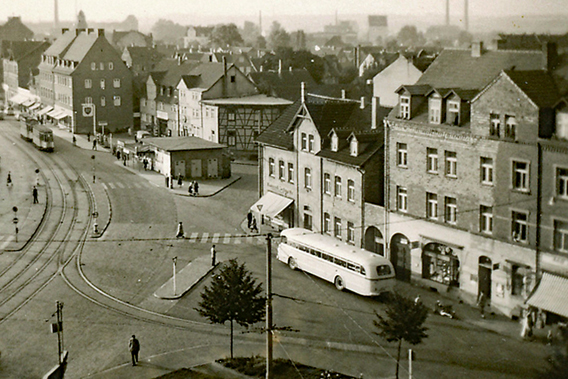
{"points": [[142, 134]]}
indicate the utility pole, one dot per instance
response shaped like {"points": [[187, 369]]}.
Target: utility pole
{"points": [[15, 220], [174, 260], [269, 338], [58, 328], [93, 158]]}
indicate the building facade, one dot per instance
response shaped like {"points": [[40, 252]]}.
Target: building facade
{"points": [[82, 67]]}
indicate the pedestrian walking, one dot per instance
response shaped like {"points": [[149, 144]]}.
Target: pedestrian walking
{"points": [[145, 163], [195, 188], [253, 227], [167, 181], [74, 141], [134, 347], [180, 180], [94, 144], [179, 233], [34, 194], [213, 256], [9, 179], [481, 302], [249, 218], [190, 189], [89, 137]]}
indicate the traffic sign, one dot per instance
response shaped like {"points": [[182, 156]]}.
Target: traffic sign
{"points": [[15, 220]]}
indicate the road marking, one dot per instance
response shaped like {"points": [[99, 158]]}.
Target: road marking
{"points": [[8, 240], [111, 185], [205, 237], [138, 185], [193, 237], [216, 237], [119, 184], [227, 238]]}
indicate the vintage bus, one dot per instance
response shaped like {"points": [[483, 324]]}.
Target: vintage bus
{"points": [[348, 267]]}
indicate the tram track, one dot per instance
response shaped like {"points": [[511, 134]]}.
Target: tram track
{"points": [[26, 275]]}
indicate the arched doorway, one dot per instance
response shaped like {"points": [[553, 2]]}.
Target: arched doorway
{"points": [[374, 241], [440, 264], [400, 256], [484, 276]]}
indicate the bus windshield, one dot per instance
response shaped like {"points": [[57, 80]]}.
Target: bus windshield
{"points": [[384, 270]]}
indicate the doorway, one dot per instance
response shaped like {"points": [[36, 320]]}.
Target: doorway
{"points": [[484, 277], [400, 256], [374, 241], [212, 169], [196, 168]]}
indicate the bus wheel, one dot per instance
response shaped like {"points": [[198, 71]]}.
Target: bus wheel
{"points": [[292, 263], [339, 283]]}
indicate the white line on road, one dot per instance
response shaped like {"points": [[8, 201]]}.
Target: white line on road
{"points": [[111, 185], [105, 186], [227, 238], [8, 240], [194, 237], [119, 184], [216, 237], [204, 238]]}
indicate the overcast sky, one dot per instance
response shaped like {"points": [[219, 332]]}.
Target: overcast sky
{"points": [[111, 10]]}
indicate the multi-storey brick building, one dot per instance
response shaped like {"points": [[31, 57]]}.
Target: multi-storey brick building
{"points": [[82, 67], [320, 164], [463, 209]]}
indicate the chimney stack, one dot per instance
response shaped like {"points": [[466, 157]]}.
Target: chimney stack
{"points": [[374, 112], [476, 49], [101, 32], [466, 15], [303, 93]]}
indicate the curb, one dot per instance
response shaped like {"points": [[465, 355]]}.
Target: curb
{"points": [[181, 294]]}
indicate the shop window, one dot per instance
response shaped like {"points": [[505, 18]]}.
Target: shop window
{"points": [[440, 264]]}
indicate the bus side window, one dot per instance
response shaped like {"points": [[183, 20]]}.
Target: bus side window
{"points": [[284, 239]]}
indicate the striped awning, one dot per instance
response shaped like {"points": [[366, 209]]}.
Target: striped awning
{"points": [[53, 112], [59, 115], [28, 102], [35, 106], [18, 98], [45, 110], [551, 294]]}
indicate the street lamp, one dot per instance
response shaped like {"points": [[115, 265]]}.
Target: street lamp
{"points": [[93, 158], [174, 260], [37, 177], [15, 220]]}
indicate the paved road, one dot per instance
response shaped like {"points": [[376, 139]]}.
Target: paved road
{"points": [[133, 258]]}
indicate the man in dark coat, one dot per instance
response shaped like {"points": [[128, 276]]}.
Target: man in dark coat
{"points": [[134, 347]]}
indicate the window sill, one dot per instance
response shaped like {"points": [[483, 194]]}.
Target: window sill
{"points": [[521, 191], [487, 184], [451, 176], [432, 172], [401, 166]]}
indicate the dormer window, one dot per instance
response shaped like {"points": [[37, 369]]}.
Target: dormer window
{"points": [[495, 125], [311, 143], [453, 112], [405, 107], [334, 142], [510, 127], [435, 109], [354, 147]]}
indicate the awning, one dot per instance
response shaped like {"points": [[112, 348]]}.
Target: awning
{"points": [[271, 204], [28, 102], [59, 115], [45, 110], [35, 106], [53, 113], [18, 98], [550, 294]]}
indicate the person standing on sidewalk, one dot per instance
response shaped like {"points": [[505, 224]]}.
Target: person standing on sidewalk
{"points": [[9, 179], [180, 180], [249, 218], [195, 188], [34, 194], [481, 302], [134, 347], [213, 256], [94, 144]]}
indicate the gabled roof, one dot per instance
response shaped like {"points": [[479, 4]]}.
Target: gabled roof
{"points": [[80, 46], [61, 44], [15, 50], [174, 74], [415, 89], [181, 143], [326, 113], [144, 54], [286, 84], [209, 73], [455, 68], [464, 94], [443, 92], [369, 142], [537, 85], [15, 30]]}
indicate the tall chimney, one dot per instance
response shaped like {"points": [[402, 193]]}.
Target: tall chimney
{"points": [[447, 12], [374, 112], [56, 14], [466, 15], [303, 92]]}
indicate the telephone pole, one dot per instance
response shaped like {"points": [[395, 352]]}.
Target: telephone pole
{"points": [[269, 306]]}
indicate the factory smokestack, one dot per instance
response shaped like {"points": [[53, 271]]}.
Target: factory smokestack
{"points": [[466, 15], [447, 12], [56, 15]]}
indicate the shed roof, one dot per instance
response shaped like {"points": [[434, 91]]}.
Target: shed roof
{"points": [[181, 143]]}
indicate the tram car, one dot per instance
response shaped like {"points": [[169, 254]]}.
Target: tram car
{"points": [[27, 129], [43, 137]]}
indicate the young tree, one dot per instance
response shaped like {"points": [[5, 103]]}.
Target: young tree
{"points": [[233, 296], [403, 321]]}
